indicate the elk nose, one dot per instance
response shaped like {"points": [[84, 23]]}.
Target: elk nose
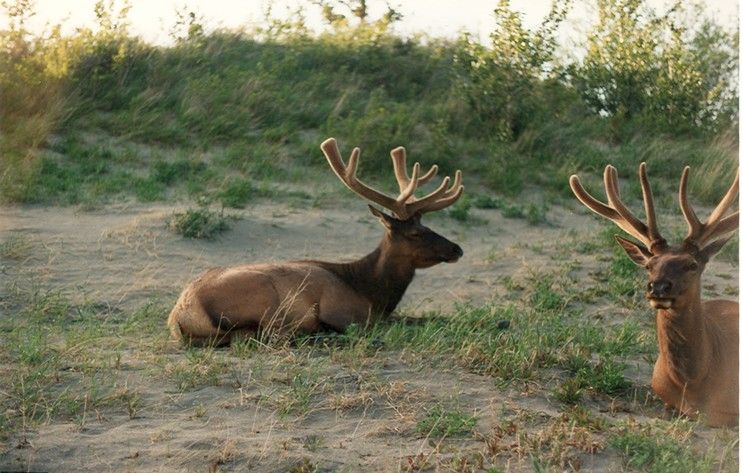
{"points": [[458, 251], [659, 288]]}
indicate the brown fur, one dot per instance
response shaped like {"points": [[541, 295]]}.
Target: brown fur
{"points": [[697, 370], [308, 295]]}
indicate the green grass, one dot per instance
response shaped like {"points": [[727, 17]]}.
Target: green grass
{"points": [[62, 357], [658, 450], [546, 330], [198, 368], [440, 422]]}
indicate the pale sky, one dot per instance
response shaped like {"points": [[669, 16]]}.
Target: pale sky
{"points": [[153, 19]]}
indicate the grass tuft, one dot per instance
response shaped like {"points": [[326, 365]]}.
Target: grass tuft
{"points": [[201, 223], [439, 422]]}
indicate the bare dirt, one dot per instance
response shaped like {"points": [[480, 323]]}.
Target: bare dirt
{"points": [[121, 256]]}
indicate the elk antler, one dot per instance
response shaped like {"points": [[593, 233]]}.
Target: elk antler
{"points": [[617, 212], [699, 234], [405, 205]]}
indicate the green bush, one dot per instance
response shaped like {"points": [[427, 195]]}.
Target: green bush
{"points": [[254, 105], [650, 67], [502, 83]]}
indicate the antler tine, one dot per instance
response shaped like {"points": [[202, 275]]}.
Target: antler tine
{"points": [[589, 201], [348, 176], [405, 205], [399, 160], [701, 233], [630, 223], [694, 224], [614, 199], [614, 210], [654, 234], [406, 193], [440, 198], [726, 202]]}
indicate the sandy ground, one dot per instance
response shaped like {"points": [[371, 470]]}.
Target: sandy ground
{"points": [[123, 255]]}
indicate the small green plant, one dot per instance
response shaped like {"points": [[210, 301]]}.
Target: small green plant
{"points": [[201, 223], [15, 247], [303, 386], [486, 202], [313, 442], [237, 193], [545, 297], [650, 449], [569, 391], [304, 465], [460, 211], [439, 422], [513, 211], [535, 214]]}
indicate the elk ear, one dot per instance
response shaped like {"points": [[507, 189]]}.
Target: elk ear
{"points": [[384, 218], [636, 251], [712, 248]]}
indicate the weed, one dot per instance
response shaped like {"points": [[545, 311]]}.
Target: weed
{"points": [[201, 223], [238, 192], [652, 449], [513, 211], [460, 211], [305, 465], [439, 422], [244, 347], [168, 173], [303, 385], [486, 202], [16, 247], [569, 392], [313, 442]]}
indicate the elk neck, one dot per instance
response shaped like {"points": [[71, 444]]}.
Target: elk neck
{"points": [[683, 339], [381, 276]]}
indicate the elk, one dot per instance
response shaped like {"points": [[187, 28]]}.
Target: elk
{"points": [[696, 371], [312, 295]]}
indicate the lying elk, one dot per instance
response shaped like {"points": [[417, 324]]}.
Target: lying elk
{"points": [[309, 295], [697, 367]]}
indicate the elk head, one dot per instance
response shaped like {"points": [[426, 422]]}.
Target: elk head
{"points": [[674, 271], [406, 238]]}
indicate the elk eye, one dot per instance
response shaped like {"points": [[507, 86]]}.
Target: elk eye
{"points": [[414, 234], [691, 266]]}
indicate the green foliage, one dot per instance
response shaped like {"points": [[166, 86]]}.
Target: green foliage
{"points": [[502, 83], [201, 223], [460, 211], [255, 104], [32, 86], [640, 64]]}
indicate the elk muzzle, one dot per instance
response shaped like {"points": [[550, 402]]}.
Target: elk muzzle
{"points": [[659, 294], [455, 254]]}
